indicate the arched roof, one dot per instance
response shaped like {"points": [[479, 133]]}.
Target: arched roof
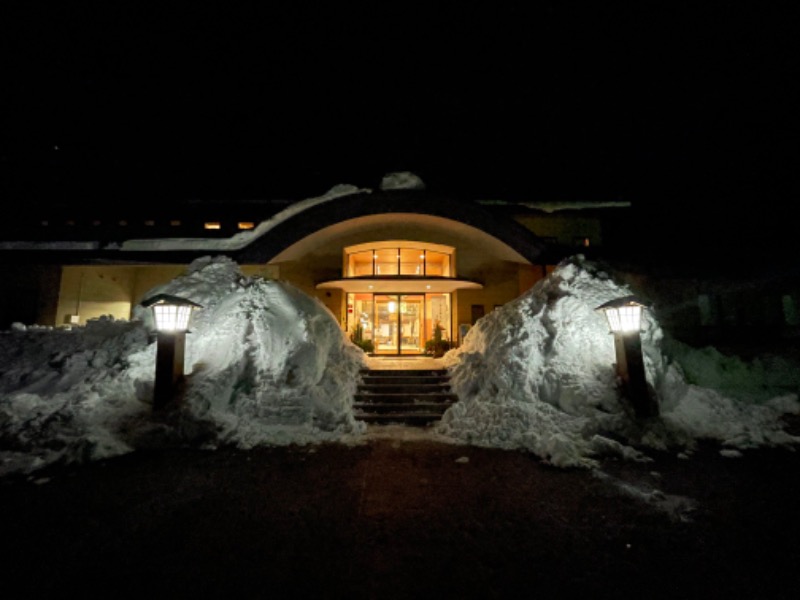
{"points": [[318, 217]]}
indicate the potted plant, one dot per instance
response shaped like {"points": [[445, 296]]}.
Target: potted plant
{"points": [[357, 337], [437, 345]]}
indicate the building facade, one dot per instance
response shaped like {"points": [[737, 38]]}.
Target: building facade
{"points": [[395, 267]]}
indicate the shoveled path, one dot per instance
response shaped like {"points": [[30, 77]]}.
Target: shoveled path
{"points": [[402, 515]]}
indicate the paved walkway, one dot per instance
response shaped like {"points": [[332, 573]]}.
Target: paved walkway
{"points": [[400, 517], [404, 362]]}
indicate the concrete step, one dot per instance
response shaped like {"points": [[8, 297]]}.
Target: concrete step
{"points": [[416, 397], [404, 407], [401, 398], [415, 419], [408, 388], [404, 379], [403, 372]]}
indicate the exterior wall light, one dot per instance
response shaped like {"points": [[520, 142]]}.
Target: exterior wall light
{"points": [[172, 315], [624, 316]]}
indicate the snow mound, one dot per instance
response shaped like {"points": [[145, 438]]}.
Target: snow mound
{"points": [[266, 364], [538, 374], [402, 181], [270, 364]]}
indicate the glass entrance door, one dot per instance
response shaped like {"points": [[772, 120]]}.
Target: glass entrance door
{"points": [[398, 323], [411, 312]]}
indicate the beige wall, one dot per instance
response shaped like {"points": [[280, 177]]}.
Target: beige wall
{"points": [[146, 277], [264, 271], [503, 282], [478, 257], [93, 291]]}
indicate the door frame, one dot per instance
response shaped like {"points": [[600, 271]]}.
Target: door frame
{"points": [[398, 297]]}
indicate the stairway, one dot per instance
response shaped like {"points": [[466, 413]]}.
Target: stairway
{"points": [[413, 397]]}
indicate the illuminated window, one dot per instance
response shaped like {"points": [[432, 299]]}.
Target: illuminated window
{"points": [[70, 222], [583, 242], [123, 223], [386, 261], [412, 262], [437, 264], [212, 225], [393, 258], [175, 223], [246, 224], [360, 264], [149, 223]]}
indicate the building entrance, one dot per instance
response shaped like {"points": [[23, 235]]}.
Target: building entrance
{"points": [[398, 324]]}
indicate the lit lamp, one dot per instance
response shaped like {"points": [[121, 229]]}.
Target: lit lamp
{"points": [[624, 317], [172, 315]]}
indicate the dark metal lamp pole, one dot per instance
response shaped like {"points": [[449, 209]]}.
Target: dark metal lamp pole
{"points": [[624, 321], [172, 315]]}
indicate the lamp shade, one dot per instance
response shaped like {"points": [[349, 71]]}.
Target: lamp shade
{"points": [[171, 313], [624, 315]]}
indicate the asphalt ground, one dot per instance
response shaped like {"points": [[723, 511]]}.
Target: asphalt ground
{"points": [[403, 515]]}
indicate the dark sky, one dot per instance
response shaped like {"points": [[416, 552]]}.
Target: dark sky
{"points": [[677, 110]]}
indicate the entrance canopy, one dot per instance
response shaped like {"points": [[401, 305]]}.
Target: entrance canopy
{"points": [[400, 284]]}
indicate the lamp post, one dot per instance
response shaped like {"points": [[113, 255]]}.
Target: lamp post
{"points": [[172, 315], [624, 317]]}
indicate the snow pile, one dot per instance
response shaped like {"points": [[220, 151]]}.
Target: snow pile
{"points": [[266, 364], [403, 180], [538, 374], [270, 364], [66, 394]]}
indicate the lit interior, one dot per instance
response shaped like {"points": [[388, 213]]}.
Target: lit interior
{"points": [[393, 258], [398, 323]]}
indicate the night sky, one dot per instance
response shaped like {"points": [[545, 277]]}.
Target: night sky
{"points": [[687, 113]]}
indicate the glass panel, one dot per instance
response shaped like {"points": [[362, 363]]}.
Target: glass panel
{"points": [[437, 264], [386, 261], [385, 335], [437, 310], [411, 308], [359, 319], [359, 264], [412, 262]]}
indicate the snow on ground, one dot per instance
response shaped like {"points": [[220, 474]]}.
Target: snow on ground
{"points": [[538, 374], [267, 364]]}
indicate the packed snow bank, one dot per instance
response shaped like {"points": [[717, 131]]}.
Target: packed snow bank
{"points": [[538, 374], [266, 364], [270, 363]]}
